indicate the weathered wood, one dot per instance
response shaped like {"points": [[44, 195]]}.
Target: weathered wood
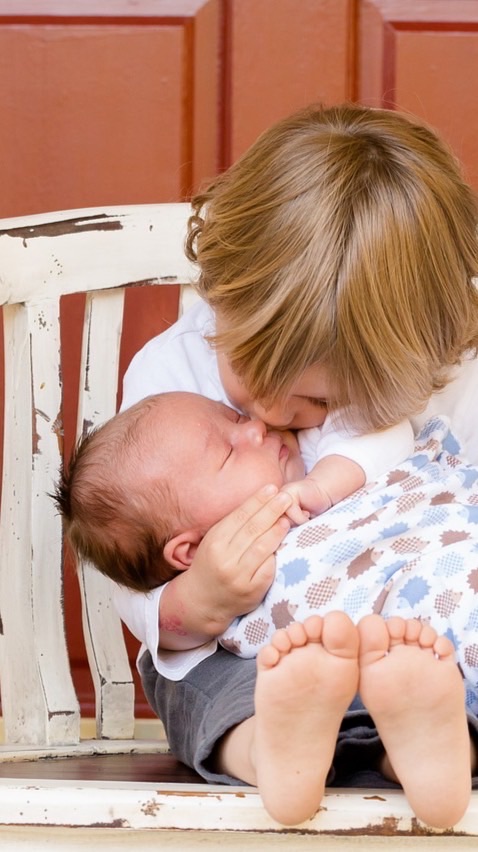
{"points": [[218, 810], [51, 255], [39, 703], [107, 657]]}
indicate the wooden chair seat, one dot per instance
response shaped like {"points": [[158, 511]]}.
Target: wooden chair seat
{"points": [[59, 788]]}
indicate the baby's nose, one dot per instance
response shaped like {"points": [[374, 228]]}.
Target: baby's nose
{"points": [[253, 432]]}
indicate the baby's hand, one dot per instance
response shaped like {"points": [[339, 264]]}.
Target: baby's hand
{"points": [[296, 514], [332, 479], [310, 500]]}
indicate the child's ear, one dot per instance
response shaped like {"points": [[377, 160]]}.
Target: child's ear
{"points": [[181, 549]]}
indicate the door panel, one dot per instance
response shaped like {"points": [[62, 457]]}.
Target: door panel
{"points": [[281, 55], [422, 57]]}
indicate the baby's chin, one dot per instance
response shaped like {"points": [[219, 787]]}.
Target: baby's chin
{"points": [[293, 465]]}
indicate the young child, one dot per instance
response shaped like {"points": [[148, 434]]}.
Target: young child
{"points": [[390, 548], [337, 256]]}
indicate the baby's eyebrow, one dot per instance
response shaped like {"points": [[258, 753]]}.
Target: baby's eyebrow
{"points": [[212, 433], [207, 433]]}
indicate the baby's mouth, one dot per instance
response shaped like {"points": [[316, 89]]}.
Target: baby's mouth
{"points": [[284, 452]]}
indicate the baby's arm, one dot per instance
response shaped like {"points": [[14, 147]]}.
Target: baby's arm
{"points": [[344, 462], [332, 479]]}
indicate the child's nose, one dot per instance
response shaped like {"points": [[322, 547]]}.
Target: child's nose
{"points": [[277, 416]]}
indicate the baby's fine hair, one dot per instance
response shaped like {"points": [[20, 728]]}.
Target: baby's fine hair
{"points": [[344, 236], [106, 519]]}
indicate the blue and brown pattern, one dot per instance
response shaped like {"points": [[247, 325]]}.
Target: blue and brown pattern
{"points": [[405, 545]]}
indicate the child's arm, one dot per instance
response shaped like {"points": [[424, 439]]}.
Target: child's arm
{"points": [[231, 572]]}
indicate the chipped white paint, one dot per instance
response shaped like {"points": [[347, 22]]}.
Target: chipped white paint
{"points": [[99, 252], [216, 815], [105, 647], [39, 703], [76, 250]]}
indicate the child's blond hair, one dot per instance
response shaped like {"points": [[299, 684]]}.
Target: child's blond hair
{"points": [[110, 517], [346, 237]]}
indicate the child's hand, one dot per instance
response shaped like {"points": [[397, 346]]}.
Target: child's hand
{"points": [[235, 562]]}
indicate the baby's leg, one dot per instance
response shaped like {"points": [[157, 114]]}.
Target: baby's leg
{"points": [[412, 688], [306, 678]]}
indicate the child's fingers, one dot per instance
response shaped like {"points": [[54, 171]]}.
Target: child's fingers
{"points": [[242, 547], [256, 517], [260, 582], [262, 547]]}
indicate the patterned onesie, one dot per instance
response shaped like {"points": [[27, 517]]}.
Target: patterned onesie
{"points": [[405, 545]]}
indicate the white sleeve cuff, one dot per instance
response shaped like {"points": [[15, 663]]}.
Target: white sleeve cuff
{"points": [[140, 613]]}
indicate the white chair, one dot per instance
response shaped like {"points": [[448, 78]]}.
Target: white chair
{"points": [[100, 252]]}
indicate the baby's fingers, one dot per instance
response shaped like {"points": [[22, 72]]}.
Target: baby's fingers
{"points": [[297, 515]]}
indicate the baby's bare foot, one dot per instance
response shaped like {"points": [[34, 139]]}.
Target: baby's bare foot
{"points": [[306, 678], [412, 688]]}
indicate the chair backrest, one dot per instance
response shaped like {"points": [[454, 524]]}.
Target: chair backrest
{"points": [[98, 252]]}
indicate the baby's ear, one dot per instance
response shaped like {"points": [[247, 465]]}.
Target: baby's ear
{"points": [[181, 549]]}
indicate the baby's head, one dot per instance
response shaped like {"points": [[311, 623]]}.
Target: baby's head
{"points": [[142, 490], [344, 237]]}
